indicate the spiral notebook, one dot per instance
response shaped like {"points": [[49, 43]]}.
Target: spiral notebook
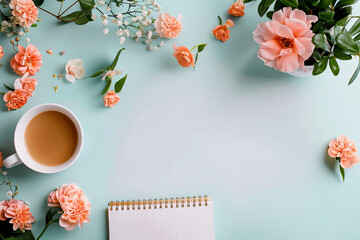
{"points": [[190, 218]]}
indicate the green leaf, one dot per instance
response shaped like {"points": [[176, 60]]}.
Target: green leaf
{"points": [[356, 73], [8, 88], [82, 19], [201, 47], [316, 55], [321, 42], [320, 67], [220, 20], [38, 2], [49, 215], [27, 235], [264, 6], [196, 58], [318, 26], [108, 83], [342, 21], [347, 43], [97, 73], [34, 25], [339, 53], [119, 84], [334, 66], [326, 16], [357, 37], [72, 16], [343, 3], [290, 3], [247, 1], [324, 4], [269, 14], [278, 5], [342, 13], [355, 29], [87, 4], [342, 171], [113, 64]]}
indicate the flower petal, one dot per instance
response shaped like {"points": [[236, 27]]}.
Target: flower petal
{"points": [[70, 78], [284, 31], [288, 63], [269, 50]]}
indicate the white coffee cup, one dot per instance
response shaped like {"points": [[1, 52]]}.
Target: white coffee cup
{"points": [[22, 155]]}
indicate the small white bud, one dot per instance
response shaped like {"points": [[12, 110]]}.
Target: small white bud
{"points": [[105, 22], [105, 31], [27, 40], [122, 40]]}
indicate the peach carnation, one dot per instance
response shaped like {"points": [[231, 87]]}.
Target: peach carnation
{"points": [[345, 150], [237, 9], [222, 32], [168, 26], [286, 41], [27, 60], [1, 160], [19, 214], [184, 57], [111, 99], [74, 204], [1, 52], [15, 100], [27, 84], [24, 11]]}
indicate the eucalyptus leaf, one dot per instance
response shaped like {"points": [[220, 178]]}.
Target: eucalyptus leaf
{"points": [[319, 67], [355, 28], [356, 73], [108, 83], [334, 66], [320, 41], [119, 84], [342, 171], [347, 43], [113, 64]]}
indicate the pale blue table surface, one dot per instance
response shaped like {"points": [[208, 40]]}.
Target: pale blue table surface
{"points": [[252, 138]]}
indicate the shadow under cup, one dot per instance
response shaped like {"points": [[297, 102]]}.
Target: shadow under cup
{"points": [[20, 138]]}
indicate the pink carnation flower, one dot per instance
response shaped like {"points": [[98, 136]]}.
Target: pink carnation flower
{"points": [[344, 149], [27, 60], [15, 100], [27, 84], [168, 26], [24, 11], [286, 41], [111, 99], [1, 52], [19, 214], [74, 204]]}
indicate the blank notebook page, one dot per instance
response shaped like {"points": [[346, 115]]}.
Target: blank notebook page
{"points": [[169, 219]]}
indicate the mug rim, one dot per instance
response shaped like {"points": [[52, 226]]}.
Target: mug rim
{"points": [[19, 138]]}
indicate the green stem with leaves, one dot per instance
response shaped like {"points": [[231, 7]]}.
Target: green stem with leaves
{"points": [[46, 227], [2, 238]]}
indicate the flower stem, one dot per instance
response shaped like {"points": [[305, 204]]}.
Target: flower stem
{"points": [[2, 238], [68, 8], [46, 227]]}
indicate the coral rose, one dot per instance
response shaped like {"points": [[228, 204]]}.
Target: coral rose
{"points": [[1, 160], [27, 84], [1, 52], [27, 60], [24, 11], [344, 149], [237, 9], [19, 214], [111, 99], [168, 26], [184, 57], [222, 32], [15, 100], [286, 41]]}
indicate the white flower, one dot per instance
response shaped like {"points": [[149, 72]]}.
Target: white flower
{"points": [[93, 17], [139, 18], [149, 35], [27, 40], [138, 34], [127, 33], [143, 7], [108, 9], [133, 19], [105, 31], [119, 16], [126, 22], [110, 74], [161, 44], [4, 23], [122, 40], [4, 173], [9, 194], [74, 70], [148, 41], [119, 23], [119, 32], [101, 2], [105, 22]]}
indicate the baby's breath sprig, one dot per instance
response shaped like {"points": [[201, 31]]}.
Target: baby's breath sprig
{"points": [[5, 180]]}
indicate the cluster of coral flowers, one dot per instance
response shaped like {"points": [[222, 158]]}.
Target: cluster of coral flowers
{"points": [[344, 150], [74, 205], [286, 40], [17, 213], [25, 63]]}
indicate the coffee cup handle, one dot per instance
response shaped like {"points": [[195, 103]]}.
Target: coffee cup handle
{"points": [[12, 161]]}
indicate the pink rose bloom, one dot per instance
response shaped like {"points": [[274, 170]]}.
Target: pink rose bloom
{"points": [[344, 149], [74, 204], [286, 41], [15, 100], [168, 26], [184, 57], [19, 214], [1, 52], [27, 84], [111, 99], [24, 11], [1, 160], [27, 60]]}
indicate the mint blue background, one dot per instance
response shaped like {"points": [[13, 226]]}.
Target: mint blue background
{"points": [[252, 138]]}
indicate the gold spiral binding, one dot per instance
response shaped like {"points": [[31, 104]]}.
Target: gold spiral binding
{"points": [[159, 203]]}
